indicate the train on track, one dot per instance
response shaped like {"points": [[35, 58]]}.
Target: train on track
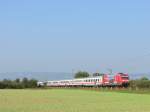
{"points": [[120, 79]]}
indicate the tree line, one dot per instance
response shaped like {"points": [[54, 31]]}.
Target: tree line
{"points": [[18, 83]]}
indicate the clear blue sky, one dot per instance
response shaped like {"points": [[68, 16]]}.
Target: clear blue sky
{"points": [[61, 35]]}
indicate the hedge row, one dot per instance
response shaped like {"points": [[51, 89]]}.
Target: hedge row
{"points": [[143, 83]]}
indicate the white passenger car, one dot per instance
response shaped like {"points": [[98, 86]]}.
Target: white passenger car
{"points": [[90, 81]]}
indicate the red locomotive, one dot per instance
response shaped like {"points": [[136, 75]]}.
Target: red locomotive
{"points": [[119, 79]]}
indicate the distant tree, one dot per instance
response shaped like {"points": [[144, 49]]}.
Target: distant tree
{"points": [[7, 83], [1, 85], [25, 82], [32, 83], [81, 74], [144, 78], [17, 80]]}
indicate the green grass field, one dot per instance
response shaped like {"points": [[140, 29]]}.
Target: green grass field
{"points": [[69, 100]]}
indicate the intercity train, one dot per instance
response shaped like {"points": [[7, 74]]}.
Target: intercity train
{"points": [[106, 80]]}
